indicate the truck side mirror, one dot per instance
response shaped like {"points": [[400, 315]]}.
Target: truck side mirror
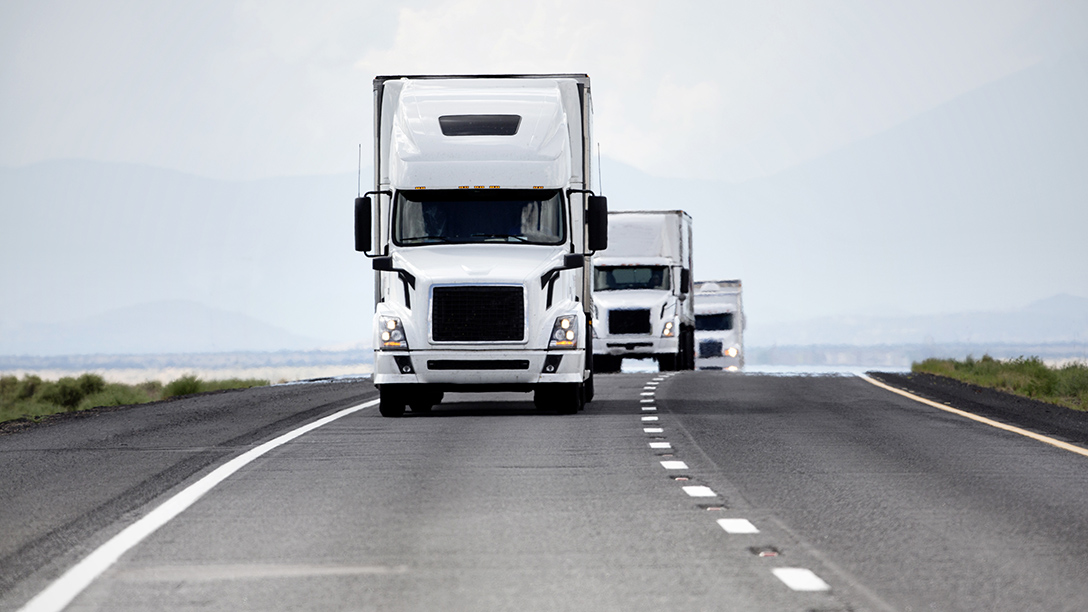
{"points": [[685, 280], [362, 224], [597, 216]]}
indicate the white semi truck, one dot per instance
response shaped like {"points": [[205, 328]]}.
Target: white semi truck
{"points": [[642, 291], [719, 325], [480, 228]]}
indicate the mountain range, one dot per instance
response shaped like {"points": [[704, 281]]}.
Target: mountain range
{"points": [[977, 207]]}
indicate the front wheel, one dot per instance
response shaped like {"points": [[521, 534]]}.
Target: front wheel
{"points": [[392, 403], [564, 398]]}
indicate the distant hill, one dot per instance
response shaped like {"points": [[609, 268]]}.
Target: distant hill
{"points": [[160, 327], [1059, 319]]}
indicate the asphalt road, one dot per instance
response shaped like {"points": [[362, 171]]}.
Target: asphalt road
{"points": [[746, 493]]}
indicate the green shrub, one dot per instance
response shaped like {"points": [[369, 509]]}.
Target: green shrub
{"points": [[1027, 376], [65, 392], [28, 387], [186, 385], [117, 395]]}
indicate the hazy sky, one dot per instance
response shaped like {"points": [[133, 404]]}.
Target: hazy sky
{"points": [[728, 90], [887, 156]]}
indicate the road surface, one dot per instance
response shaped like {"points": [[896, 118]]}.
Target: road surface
{"points": [[686, 491]]}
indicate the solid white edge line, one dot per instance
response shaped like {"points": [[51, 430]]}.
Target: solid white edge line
{"points": [[981, 419], [800, 579], [71, 583]]}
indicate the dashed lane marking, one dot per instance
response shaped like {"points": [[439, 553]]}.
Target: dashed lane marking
{"points": [[699, 491], [649, 408], [737, 526], [660, 445], [800, 579], [974, 417], [63, 590], [652, 430], [644, 393], [649, 418], [674, 465]]}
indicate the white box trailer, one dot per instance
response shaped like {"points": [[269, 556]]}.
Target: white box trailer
{"points": [[719, 325], [642, 291], [479, 229]]}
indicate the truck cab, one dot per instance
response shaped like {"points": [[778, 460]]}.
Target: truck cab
{"points": [[480, 228], [642, 291], [719, 325]]}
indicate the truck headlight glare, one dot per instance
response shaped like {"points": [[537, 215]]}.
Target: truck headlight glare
{"points": [[667, 332], [563, 333], [731, 351], [392, 335]]}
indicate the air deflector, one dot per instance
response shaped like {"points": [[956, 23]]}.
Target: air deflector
{"points": [[479, 125]]}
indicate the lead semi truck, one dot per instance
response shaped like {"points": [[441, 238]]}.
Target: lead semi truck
{"points": [[642, 291], [480, 228]]}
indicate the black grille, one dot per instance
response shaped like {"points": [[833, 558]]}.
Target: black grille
{"points": [[629, 321], [477, 314], [710, 348], [477, 364]]}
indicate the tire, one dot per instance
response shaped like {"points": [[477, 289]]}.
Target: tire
{"points": [[667, 363], [606, 364], [423, 402], [392, 403], [563, 398]]}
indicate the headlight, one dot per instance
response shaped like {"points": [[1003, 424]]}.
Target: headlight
{"points": [[668, 331], [731, 351], [391, 334], [563, 333]]}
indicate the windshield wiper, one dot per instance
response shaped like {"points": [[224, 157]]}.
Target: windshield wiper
{"points": [[519, 237], [425, 238]]}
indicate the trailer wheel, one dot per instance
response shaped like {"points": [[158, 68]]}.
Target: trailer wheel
{"points": [[392, 403]]}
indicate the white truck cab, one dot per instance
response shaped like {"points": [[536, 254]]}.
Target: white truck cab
{"points": [[719, 325], [480, 227], [642, 291]]}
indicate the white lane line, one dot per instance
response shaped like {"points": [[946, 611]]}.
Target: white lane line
{"points": [[674, 465], [647, 401], [63, 590], [660, 445], [644, 393], [974, 417], [737, 526], [699, 491], [649, 418], [800, 579], [649, 408], [653, 429]]}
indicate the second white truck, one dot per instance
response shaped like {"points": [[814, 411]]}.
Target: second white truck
{"points": [[642, 302]]}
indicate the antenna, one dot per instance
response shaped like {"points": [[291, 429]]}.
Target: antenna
{"points": [[360, 193], [600, 174]]}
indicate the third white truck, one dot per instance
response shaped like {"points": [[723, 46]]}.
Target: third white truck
{"points": [[642, 291], [719, 325]]}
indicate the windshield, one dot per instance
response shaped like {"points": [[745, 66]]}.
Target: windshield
{"points": [[476, 215], [714, 322], [631, 277]]}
